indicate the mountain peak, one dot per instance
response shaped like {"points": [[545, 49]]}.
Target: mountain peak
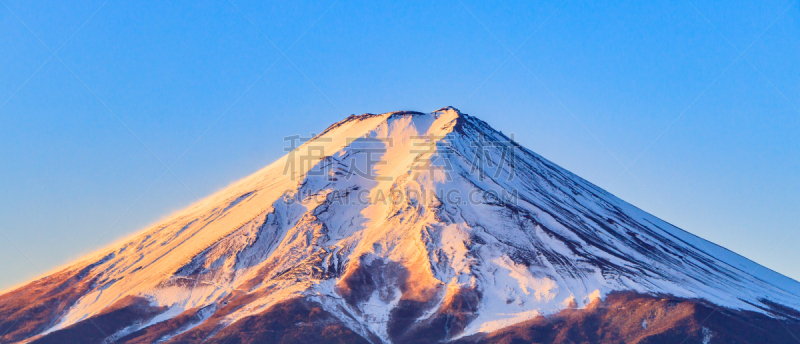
{"points": [[396, 227], [448, 108]]}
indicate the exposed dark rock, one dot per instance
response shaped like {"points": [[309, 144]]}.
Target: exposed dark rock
{"points": [[645, 319], [291, 321], [123, 313]]}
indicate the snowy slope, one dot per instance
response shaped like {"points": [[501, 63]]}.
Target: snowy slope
{"points": [[493, 233]]}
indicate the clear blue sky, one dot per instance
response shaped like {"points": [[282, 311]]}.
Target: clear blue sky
{"points": [[699, 98]]}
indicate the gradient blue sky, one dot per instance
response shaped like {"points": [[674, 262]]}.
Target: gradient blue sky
{"points": [[699, 99]]}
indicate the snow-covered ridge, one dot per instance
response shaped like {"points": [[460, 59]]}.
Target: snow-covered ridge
{"points": [[300, 228]]}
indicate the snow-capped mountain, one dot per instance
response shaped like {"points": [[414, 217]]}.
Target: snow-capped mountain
{"points": [[404, 227]]}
